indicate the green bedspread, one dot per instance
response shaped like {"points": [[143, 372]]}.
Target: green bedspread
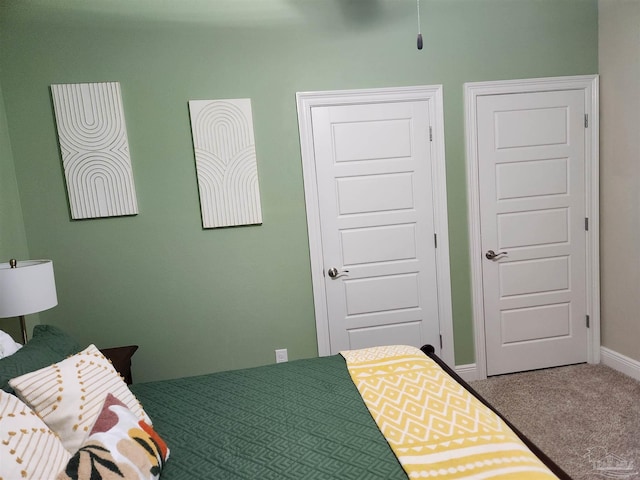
{"points": [[298, 420]]}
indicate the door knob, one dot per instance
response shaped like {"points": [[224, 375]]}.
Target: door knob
{"points": [[334, 273], [491, 255]]}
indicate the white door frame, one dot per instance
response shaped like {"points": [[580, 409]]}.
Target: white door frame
{"points": [[589, 84], [433, 94]]}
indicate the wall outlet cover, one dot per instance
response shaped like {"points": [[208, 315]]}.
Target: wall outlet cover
{"points": [[281, 355]]}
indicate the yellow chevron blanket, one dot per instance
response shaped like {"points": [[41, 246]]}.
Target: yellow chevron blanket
{"points": [[436, 428]]}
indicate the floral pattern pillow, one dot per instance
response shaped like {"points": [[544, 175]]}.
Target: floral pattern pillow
{"points": [[119, 446]]}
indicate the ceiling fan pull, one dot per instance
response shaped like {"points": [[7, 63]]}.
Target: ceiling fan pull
{"points": [[419, 33]]}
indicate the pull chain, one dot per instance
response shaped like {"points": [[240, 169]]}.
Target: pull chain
{"points": [[419, 29]]}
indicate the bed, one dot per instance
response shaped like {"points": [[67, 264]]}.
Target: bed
{"points": [[302, 419]]}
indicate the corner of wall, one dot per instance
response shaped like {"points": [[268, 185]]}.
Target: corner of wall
{"points": [[13, 239]]}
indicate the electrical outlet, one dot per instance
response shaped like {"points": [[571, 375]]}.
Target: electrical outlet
{"points": [[281, 355]]}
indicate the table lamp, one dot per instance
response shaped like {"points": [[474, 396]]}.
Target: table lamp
{"points": [[26, 287]]}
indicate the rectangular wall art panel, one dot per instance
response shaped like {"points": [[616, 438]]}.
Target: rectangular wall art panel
{"points": [[226, 162], [95, 149]]}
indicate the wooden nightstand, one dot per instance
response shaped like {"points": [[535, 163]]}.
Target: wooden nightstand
{"points": [[121, 360]]}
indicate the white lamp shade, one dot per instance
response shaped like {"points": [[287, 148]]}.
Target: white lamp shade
{"points": [[28, 288]]}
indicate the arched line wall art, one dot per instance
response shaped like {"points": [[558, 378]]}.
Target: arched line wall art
{"points": [[95, 149], [226, 163]]}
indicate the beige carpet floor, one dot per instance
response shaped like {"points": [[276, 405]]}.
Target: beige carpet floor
{"points": [[585, 417]]}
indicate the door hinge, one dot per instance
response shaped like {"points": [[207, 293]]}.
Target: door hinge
{"points": [[440, 342], [435, 239], [588, 326], [586, 224], [586, 120], [430, 134]]}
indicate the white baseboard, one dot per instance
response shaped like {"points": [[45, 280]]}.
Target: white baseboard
{"points": [[619, 362], [608, 357], [467, 372]]}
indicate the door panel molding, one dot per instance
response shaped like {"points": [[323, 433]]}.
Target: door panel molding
{"points": [[432, 94], [472, 91]]}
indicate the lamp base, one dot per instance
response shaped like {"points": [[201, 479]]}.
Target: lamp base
{"points": [[23, 326]]}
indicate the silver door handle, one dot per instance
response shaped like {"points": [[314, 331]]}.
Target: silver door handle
{"points": [[334, 273], [491, 255]]}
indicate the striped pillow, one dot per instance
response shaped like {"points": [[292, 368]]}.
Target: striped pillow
{"points": [[68, 395], [28, 449]]}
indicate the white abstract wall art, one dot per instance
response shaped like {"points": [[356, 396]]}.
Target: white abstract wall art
{"points": [[95, 149], [226, 163]]}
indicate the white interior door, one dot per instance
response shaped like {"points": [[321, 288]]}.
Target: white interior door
{"points": [[373, 167], [382, 281], [531, 177]]}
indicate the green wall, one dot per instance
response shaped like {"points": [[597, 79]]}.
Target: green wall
{"points": [[201, 300]]}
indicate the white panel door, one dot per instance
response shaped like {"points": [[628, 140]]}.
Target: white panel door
{"points": [[373, 173], [531, 171]]}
